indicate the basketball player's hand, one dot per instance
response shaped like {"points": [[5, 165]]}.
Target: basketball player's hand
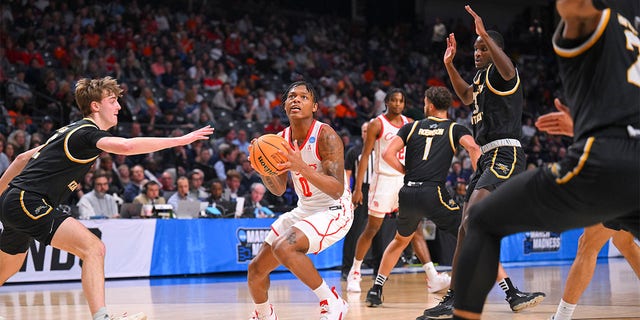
{"points": [[200, 134], [480, 29], [450, 53], [558, 123], [295, 163], [356, 197]]}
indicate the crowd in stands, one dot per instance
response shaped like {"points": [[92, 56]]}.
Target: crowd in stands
{"points": [[184, 67]]}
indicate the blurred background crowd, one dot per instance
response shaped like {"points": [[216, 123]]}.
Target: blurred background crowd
{"points": [[188, 64]]}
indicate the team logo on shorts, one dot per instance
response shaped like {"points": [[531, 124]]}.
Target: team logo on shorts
{"points": [[503, 168], [249, 242]]}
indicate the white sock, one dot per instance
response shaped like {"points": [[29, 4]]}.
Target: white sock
{"points": [[565, 311], [430, 270], [263, 308], [357, 264], [101, 314], [323, 292]]}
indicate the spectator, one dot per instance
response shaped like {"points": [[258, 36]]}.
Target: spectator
{"points": [[4, 160], [182, 193], [196, 178], [133, 188], [224, 99], [98, 203], [167, 180], [232, 189], [227, 208], [255, 205], [150, 195], [227, 161]]}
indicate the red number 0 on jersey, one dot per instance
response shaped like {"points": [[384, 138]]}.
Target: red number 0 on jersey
{"points": [[306, 191]]}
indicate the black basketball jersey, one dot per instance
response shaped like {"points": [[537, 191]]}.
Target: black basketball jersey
{"points": [[601, 74], [497, 106], [430, 145], [58, 168]]}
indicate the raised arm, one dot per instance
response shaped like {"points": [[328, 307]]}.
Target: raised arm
{"points": [[390, 154], [501, 61], [580, 17], [461, 87], [141, 145]]}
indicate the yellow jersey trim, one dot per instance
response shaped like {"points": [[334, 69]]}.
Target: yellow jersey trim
{"points": [[513, 165], [66, 146], [26, 211], [498, 92], [574, 52], [446, 205], [583, 159]]}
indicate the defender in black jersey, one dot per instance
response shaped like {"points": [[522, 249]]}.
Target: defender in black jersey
{"points": [[497, 99], [598, 53], [430, 146], [40, 179]]}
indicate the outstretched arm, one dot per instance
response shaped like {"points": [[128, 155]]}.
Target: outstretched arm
{"points": [[503, 64], [141, 145], [461, 87]]}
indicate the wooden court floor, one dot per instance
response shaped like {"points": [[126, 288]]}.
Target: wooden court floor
{"points": [[614, 293]]}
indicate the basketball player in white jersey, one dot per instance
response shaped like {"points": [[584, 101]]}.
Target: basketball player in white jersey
{"points": [[324, 212], [383, 191]]}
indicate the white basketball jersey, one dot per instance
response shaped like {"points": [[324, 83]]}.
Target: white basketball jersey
{"points": [[310, 198], [382, 142]]}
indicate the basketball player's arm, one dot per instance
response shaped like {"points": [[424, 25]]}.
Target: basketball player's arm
{"points": [[461, 87], [469, 144], [16, 167], [276, 184], [372, 134], [500, 59], [141, 145], [390, 154], [580, 17], [331, 151]]}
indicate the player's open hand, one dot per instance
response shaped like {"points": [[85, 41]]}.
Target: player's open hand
{"points": [[559, 122], [480, 29], [200, 134], [450, 53]]}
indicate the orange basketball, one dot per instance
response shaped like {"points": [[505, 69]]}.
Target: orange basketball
{"points": [[264, 154]]}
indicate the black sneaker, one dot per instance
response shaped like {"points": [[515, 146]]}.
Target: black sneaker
{"points": [[519, 300], [444, 309], [374, 296]]}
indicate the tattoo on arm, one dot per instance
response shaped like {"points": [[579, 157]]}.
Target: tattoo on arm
{"points": [[333, 154]]}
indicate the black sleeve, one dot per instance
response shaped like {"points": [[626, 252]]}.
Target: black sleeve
{"points": [[82, 144], [458, 132], [630, 9], [350, 158], [403, 133]]}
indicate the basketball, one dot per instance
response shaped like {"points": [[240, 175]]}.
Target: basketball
{"points": [[264, 154]]}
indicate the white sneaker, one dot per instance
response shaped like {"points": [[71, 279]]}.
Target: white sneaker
{"points": [[439, 283], [137, 316], [334, 309], [271, 316], [353, 281]]}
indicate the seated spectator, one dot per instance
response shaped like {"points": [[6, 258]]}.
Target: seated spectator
{"points": [[196, 178], [133, 188], [97, 203], [224, 99], [226, 208], [255, 205], [203, 162], [150, 194], [4, 160], [167, 180], [249, 175], [274, 126], [227, 161], [232, 189], [242, 141], [182, 193]]}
